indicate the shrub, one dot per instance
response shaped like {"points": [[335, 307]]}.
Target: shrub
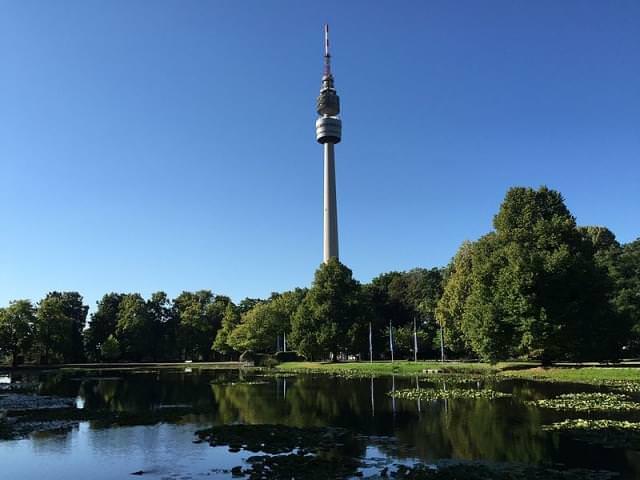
{"points": [[288, 357]]}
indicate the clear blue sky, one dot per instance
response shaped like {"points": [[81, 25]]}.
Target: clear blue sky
{"points": [[170, 145]]}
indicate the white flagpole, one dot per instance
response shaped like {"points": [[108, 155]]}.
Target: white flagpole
{"points": [[391, 339], [370, 344], [415, 341]]}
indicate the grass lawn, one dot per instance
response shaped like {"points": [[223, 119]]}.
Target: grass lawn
{"points": [[579, 375], [401, 367], [524, 370]]}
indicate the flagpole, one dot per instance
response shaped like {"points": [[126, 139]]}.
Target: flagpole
{"points": [[415, 340], [391, 339], [370, 344]]}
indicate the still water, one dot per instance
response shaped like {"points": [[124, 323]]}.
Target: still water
{"points": [[393, 430]]}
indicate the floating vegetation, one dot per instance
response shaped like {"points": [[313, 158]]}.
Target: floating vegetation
{"points": [[295, 465], [608, 433], [239, 382], [496, 471], [589, 402], [275, 439], [339, 373], [459, 378], [276, 374], [453, 393], [628, 386]]}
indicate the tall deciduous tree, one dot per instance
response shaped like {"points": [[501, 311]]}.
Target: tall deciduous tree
{"points": [[200, 316], [451, 305], [622, 263], [68, 317], [164, 327], [16, 328], [532, 287], [54, 329], [330, 309], [262, 327], [627, 285], [134, 328], [102, 324], [222, 343]]}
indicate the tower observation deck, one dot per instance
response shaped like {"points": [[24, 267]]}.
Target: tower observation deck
{"points": [[328, 133]]}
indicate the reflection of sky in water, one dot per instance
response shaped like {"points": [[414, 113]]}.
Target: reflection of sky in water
{"points": [[5, 378], [161, 451], [376, 459]]}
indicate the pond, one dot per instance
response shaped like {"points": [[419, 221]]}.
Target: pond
{"points": [[143, 421]]}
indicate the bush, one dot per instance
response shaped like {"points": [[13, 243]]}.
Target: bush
{"points": [[291, 356], [268, 361]]}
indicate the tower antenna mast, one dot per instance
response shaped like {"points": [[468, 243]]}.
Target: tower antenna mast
{"points": [[327, 55]]}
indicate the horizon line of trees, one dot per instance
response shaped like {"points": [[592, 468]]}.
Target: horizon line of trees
{"points": [[536, 287]]}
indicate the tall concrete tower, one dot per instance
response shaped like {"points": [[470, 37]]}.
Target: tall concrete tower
{"points": [[328, 133]]}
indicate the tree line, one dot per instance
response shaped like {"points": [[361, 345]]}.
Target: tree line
{"points": [[537, 286]]}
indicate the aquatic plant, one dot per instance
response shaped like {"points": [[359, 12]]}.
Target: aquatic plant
{"points": [[609, 433], [295, 465], [275, 439], [495, 471], [440, 394], [589, 402]]}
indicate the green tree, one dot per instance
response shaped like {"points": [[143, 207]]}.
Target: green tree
{"points": [[54, 329], [200, 316], [16, 329], [622, 264], [627, 289], [451, 306], [262, 327], [102, 324], [327, 313], [163, 326], [110, 349], [401, 298], [70, 314], [134, 328], [230, 321], [533, 287], [247, 304]]}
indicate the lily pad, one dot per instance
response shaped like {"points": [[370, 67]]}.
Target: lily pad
{"points": [[441, 394], [589, 402], [608, 433]]}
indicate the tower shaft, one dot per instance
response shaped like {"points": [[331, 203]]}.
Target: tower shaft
{"points": [[330, 237]]}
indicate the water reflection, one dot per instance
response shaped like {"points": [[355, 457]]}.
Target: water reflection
{"points": [[498, 430]]}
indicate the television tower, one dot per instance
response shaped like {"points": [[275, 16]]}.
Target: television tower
{"points": [[328, 133]]}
